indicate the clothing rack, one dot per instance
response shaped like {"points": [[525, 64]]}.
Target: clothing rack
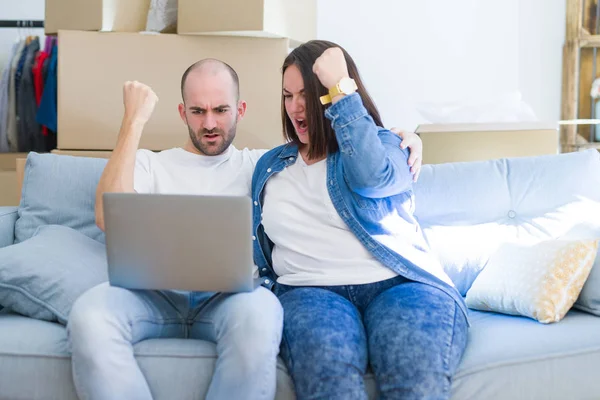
{"points": [[21, 23], [28, 86]]}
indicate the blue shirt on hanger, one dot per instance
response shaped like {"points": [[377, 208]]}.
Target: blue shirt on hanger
{"points": [[47, 112]]}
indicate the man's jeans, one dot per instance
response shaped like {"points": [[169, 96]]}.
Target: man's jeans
{"points": [[411, 334], [106, 321]]}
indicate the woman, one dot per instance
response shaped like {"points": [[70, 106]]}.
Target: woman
{"points": [[336, 237]]}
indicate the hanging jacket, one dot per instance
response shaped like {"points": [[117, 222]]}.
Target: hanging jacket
{"points": [[19, 73], [38, 77], [47, 112], [50, 41], [4, 89], [11, 130], [29, 132]]}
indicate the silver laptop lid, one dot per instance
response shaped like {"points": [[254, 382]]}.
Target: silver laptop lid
{"points": [[179, 242]]}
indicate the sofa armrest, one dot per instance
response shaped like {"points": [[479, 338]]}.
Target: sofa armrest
{"points": [[8, 217]]}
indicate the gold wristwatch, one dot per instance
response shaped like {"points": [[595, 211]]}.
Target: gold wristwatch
{"points": [[345, 86]]}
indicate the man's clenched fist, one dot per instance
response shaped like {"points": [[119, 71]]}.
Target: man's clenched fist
{"points": [[139, 101]]}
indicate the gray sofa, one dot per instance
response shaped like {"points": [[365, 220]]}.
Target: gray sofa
{"points": [[507, 357]]}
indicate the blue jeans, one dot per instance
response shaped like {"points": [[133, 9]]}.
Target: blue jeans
{"points": [[107, 321], [411, 334]]}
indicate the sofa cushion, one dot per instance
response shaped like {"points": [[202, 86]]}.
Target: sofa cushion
{"points": [[33, 348], [507, 358], [8, 216], [589, 299], [541, 281], [467, 210], [59, 190], [44, 275], [510, 357], [174, 368]]}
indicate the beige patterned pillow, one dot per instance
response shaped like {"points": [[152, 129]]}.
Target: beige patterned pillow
{"points": [[541, 281]]}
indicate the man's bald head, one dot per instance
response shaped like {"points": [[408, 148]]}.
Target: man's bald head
{"points": [[212, 67]]}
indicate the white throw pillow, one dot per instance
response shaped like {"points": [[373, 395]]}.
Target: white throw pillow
{"points": [[540, 281]]}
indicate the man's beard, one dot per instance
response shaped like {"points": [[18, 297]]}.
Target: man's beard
{"points": [[212, 150]]}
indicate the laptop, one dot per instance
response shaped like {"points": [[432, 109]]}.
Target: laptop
{"points": [[179, 242]]}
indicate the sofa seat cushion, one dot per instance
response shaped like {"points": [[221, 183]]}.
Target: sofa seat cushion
{"points": [[507, 358], [510, 357], [34, 361], [37, 351]]}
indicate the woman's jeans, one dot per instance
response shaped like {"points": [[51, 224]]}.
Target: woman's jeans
{"points": [[412, 335]]}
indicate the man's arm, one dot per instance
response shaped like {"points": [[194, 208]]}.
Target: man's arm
{"points": [[413, 142], [139, 101]]}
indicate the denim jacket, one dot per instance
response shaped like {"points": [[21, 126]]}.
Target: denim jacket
{"points": [[370, 185]]}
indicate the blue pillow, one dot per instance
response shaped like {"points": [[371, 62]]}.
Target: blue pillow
{"points": [[589, 298], [42, 277], [59, 190]]}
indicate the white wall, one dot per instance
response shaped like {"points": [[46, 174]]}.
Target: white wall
{"points": [[415, 51], [410, 52], [18, 9], [541, 37]]}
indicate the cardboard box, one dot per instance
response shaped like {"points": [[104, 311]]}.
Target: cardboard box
{"points": [[81, 153], [93, 66], [8, 161], [10, 192], [444, 143], [96, 15], [293, 19]]}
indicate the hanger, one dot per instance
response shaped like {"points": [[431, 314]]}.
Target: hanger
{"points": [[30, 35], [19, 31], [32, 30]]}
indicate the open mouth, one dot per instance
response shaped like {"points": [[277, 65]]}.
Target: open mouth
{"points": [[301, 125]]}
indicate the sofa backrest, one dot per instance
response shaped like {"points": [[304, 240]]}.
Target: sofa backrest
{"points": [[467, 210]]}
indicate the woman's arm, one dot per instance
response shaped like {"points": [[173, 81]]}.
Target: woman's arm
{"points": [[374, 164]]}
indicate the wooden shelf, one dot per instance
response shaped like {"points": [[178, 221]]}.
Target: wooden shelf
{"points": [[581, 66], [591, 41]]}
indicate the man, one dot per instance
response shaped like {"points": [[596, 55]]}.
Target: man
{"points": [[107, 321]]}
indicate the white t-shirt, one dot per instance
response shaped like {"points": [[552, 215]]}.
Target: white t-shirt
{"points": [[313, 245], [177, 171]]}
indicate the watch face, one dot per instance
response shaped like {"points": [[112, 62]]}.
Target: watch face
{"points": [[347, 85]]}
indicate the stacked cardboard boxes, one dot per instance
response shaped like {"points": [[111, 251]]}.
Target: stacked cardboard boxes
{"points": [[103, 43], [96, 15], [295, 20], [92, 67], [101, 47]]}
